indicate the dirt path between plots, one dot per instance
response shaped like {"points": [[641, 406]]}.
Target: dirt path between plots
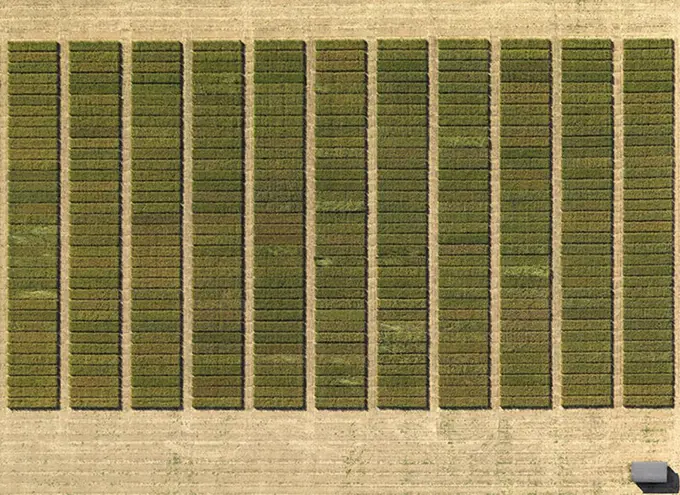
{"points": [[618, 224], [556, 289]]}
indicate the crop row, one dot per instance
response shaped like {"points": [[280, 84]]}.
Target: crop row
{"points": [[341, 214], [525, 226], [156, 225], [280, 74], [587, 226], [218, 93], [95, 262], [648, 227], [464, 243], [34, 190], [402, 226]]}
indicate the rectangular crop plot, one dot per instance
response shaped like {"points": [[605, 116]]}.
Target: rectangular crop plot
{"points": [[156, 224], [218, 224], [648, 223], [95, 231], [341, 213], [526, 229], [34, 207], [464, 235], [280, 82], [402, 223], [587, 227]]}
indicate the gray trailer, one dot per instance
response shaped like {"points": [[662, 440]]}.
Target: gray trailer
{"points": [[649, 472]]}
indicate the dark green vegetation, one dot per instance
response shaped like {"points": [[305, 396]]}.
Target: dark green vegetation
{"points": [[280, 81], [464, 234], [94, 164], [402, 223], [95, 211], [526, 228], [341, 213], [648, 223], [587, 230], [156, 225], [34, 190], [218, 97]]}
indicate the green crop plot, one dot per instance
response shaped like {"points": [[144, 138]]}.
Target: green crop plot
{"points": [[34, 163], [464, 234], [402, 223], [648, 223], [526, 228], [587, 227], [95, 214], [279, 224], [341, 213], [156, 225], [218, 190], [218, 178]]}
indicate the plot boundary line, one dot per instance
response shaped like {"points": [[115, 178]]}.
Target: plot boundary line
{"points": [[126, 219], [4, 218], [249, 227], [372, 241], [556, 250], [187, 225], [618, 227], [494, 228], [310, 225], [65, 222], [433, 222], [676, 223]]}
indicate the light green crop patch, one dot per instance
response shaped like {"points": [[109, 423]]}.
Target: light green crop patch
{"points": [[33, 230], [648, 284]]}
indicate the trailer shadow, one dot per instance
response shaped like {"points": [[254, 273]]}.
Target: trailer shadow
{"points": [[671, 486]]}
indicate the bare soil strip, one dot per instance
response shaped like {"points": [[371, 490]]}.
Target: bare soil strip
{"points": [[64, 229], [433, 220], [556, 290], [187, 225], [126, 219], [495, 227], [334, 18], [4, 220], [618, 222], [372, 177], [249, 228], [547, 452], [310, 229], [676, 222]]}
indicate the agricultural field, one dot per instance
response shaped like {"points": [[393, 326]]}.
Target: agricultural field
{"points": [[156, 313], [464, 227], [95, 229], [217, 208], [402, 150], [280, 250], [339, 336], [341, 224], [526, 227], [648, 223], [587, 223], [340, 248], [33, 245]]}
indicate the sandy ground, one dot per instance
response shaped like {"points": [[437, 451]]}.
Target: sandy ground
{"points": [[556, 278], [481, 452], [617, 268], [433, 222], [495, 225], [485, 452]]}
